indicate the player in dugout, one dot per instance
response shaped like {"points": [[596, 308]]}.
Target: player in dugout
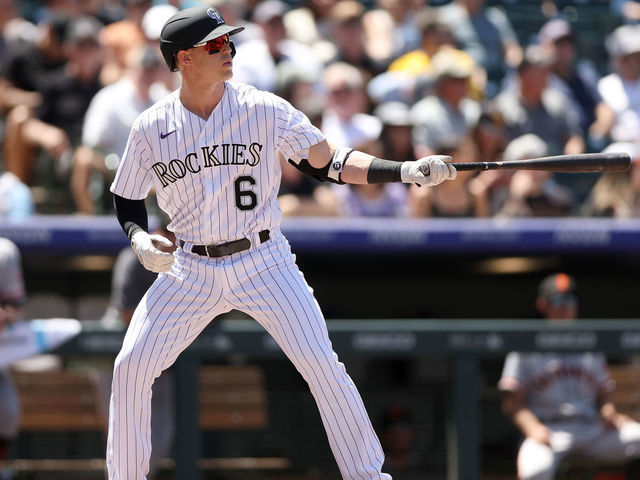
{"points": [[211, 151], [560, 401]]}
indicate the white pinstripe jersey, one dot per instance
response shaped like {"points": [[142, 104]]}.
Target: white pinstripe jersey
{"points": [[217, 179]]}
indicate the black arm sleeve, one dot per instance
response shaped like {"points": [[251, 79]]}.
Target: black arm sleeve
{"points": [[132, 214], [384, 171]]}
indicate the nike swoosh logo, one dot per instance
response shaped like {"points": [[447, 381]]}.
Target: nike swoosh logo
{"points": [[165, 135]]}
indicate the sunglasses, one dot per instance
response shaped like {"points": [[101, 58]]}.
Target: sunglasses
{"points": [[214, 45]]}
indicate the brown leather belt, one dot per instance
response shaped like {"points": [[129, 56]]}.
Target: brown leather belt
{"points": [[228, 248]]}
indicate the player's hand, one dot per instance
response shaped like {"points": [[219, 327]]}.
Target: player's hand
{"points": [[430, 170], [152, 258], [617, 421], [540, 433]]}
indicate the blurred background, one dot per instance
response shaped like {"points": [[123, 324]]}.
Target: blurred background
{"points": [[400, 79]]}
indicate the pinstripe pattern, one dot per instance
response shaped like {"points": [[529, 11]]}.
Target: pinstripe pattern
{"points": [[169, 150]]}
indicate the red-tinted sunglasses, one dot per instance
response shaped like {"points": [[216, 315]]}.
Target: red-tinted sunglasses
{"points": [[214, 45]]}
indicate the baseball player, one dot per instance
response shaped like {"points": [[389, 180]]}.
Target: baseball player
{"points": [[210, 150], [559, 401]]}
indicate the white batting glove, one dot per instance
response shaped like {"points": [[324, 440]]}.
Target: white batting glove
{"points": [[430, 170], [150, 257]]}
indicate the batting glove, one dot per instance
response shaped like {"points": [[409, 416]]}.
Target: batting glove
{"points": [[149, 256], [430, 170]]}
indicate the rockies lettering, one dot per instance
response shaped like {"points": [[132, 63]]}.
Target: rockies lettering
{"points": [[211, 156]]}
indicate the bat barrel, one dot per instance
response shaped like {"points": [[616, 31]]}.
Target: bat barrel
{"points": [[586, 162]]}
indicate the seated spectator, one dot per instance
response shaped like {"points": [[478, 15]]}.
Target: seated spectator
{"points": [[457, 199], [577, 79], [257, 61], [448, 115], [397, 129], [532, 107], [620, 90], [617, 194], [56, 126], [560, 401], [534, 193], [627, 10], [12, 296], [486, 34], [107, 124], [344, 120]]}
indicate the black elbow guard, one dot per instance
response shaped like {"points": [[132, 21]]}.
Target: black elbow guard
{"points": [[330, 172]]}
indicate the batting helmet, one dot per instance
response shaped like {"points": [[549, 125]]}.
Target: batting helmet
{"points": [[189, 27]]}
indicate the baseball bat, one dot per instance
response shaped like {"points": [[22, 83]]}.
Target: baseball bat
{"points": [[585, 162]]}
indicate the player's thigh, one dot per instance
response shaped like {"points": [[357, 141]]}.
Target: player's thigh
{"points": [[272, 290], [172, 313], [536, 461], [616, 446]]}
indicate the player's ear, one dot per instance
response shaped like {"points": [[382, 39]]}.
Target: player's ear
{"points": [[184, 57]]}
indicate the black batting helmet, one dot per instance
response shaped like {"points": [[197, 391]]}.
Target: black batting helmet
{"points": [[189, 27]]}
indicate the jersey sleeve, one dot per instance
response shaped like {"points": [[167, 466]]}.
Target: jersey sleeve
{"points": [[133, 180], [295, 132]]}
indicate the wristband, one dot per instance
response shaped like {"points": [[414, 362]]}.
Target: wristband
{"points": [[383, 171]]}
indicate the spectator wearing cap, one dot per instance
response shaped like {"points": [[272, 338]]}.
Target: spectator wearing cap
{"points": [[449, 115], [534, 193], [627, 10], [397, 129], [107, 123], [531, 106], [620, 90], [577, 80], [258, 60], [486, 34], [561, 402], [617, 194], [56, 127]]}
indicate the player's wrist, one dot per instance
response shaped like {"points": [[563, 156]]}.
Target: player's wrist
{"points": [[385, 171]]}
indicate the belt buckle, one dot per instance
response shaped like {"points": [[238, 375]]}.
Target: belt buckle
{"points": [[210, 253]]}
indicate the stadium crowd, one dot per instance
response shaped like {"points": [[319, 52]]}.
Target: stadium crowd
{"points": [[398, 79]]}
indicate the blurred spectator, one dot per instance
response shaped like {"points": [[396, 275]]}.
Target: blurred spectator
{"points": [[532, 107], [534, 193], [118, 38], [457, 199], [344, 121], [447, 116], [397, 129], [57, 125], [620, 90], [129, 283], [390, 29], [486, 34], [308, 23], [28, 67], [560, 401], [347, 33], [397, 435], [107, 124], [577, 80], [627, 10], [12, 296], [617, 194], [258, 60]]}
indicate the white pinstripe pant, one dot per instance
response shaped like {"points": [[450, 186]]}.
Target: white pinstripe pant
{"points": [[265, 283]]}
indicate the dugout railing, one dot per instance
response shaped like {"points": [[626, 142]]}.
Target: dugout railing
{"points": [[463, 342]]}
